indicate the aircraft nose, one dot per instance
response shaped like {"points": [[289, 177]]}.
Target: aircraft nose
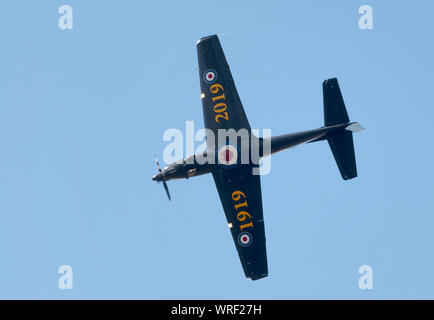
{"points": [[158, 177]]}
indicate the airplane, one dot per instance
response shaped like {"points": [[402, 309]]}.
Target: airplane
{"points": [[238, 186]]}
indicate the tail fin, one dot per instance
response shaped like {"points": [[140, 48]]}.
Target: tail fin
{"points": [[340, 142]]}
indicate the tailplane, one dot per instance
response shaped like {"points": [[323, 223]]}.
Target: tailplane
{"points": [[341, 141]]}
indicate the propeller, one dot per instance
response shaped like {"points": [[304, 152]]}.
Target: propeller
{"points": [[162, 175]]}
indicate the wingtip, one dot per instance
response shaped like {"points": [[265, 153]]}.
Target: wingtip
{"points": [[206, 38], [329, 81], [258, 276]]}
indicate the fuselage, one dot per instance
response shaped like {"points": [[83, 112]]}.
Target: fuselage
{"points": [[188, 167], [200, 163]]}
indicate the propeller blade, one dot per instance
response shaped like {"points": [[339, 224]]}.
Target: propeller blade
{"points": [[167, 190], [158, 164], [164, 182]]}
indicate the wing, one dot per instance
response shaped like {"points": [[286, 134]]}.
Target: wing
{"points": [[222, 108], [240, 194], [238, 188]]}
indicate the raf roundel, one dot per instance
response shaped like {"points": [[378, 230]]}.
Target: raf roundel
{"points": [[227, 155], [245, 239], [210, 76]]}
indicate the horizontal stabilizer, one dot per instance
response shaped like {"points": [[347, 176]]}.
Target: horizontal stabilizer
{"points": [[342, 147], [341, 142], [334, 106]]}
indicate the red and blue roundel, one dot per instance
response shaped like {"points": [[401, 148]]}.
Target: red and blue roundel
{"points": [[227, 155], [210, 76], [245, 239]]}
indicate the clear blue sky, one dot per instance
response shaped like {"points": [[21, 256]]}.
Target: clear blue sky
{"points": [[83, 110]]}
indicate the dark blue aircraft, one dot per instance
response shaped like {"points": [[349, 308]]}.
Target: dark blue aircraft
{"points": [[238, 186]]}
